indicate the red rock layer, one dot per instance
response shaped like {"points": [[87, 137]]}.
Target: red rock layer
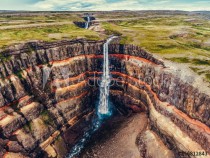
{"points": [[36, 112]]}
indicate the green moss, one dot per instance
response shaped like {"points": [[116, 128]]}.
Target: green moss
{"points": [[28, 127], [46, 117], [192, 61], [165, 35], [113, 32], [92, 37], [166, 46], [207, 77], [201, 62], [195, 45], [206, 48], [173, 36], [125, 40], [19, 74], [109, 30], [201, 72], [195, 69], [42, 18], [30, 49], [199, 33], [45, 33], [180, 60], [4, 57]]}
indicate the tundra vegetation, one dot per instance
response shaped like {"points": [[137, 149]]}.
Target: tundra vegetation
{"points": [[181, 37]]}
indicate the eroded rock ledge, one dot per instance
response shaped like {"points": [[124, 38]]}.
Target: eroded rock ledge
{"points": [[47, 89]]}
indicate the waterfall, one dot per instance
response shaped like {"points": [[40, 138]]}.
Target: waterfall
{"points": [[104, 87], [87, 23], [103, 106]]}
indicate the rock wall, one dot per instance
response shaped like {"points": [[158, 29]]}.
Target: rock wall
{"points": [[36, 103], [82, 24], [49, 89], [91, 18]]}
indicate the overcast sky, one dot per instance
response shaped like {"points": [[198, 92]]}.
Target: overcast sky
{"points": [[86, 5]]}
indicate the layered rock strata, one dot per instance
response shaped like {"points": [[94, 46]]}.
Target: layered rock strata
{"points": [[47, 89], [82, 24]]}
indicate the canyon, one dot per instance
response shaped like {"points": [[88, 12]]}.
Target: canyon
{"points": [[88, 22], [49, 91]]}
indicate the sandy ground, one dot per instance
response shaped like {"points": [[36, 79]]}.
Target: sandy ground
{"points": [[117, 139]]}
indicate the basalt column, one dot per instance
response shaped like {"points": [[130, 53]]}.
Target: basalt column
{"points": [[47, 89]]}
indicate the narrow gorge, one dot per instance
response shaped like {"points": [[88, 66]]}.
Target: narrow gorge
{"points": [[50, 92]]}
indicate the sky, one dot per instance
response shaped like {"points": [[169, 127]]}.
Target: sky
{"points": [[106, 5]]}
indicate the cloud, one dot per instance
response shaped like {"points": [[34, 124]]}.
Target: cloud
{"points": [[68, 4], [76, 5], [92, 5]]}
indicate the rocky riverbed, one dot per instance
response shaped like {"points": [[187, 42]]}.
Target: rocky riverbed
{"points": [[117, 138]]}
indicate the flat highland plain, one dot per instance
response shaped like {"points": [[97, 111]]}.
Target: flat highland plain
{"points": [[70, 88], [178, 36]]}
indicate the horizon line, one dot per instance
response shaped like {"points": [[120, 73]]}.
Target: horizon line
{"points": [[104, 10]]}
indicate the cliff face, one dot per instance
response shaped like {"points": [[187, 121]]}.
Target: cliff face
{"points": [[47, 89], [82, 24], [37, 104]]}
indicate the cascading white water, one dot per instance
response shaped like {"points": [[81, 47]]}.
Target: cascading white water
{"points": [[103, 107], [87, 23]]}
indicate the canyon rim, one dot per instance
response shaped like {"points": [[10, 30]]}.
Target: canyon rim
{"points": [[103, 84]]}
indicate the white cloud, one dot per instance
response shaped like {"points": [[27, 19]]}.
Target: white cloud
{"points": [[76, 5], [71, 4], [90, 5]]}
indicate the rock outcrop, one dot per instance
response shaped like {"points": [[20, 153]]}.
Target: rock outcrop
{"points": [[82, 24], [49, 89]]}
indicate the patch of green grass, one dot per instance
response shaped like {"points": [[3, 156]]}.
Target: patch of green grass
{"points": [[40, 17], [207, 77], [166, 46], [206, 48], [201, 62], [199, 33], [164, 35], [172, 38], [113, 32], [201, 72], [125, 40], [49, 33], [182, 38], [195, 69], [194, 45], [192, 61], [109, 30], [92, 37], [180, 60]]}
